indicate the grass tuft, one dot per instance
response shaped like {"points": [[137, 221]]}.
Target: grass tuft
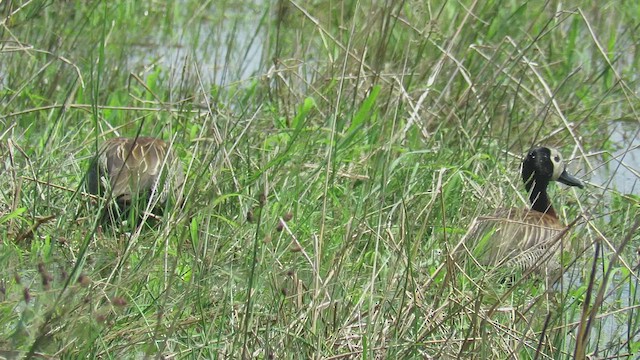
{"points": [[336, 154]]}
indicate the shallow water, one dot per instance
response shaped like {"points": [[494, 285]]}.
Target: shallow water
{"points": [[223, 45], [621, 172], [611, 327]]}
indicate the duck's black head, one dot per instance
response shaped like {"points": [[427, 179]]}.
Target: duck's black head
{"points": [[542, 165]]}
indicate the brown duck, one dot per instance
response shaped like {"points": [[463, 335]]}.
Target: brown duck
{"points": [[133, 169], [527, 238]]}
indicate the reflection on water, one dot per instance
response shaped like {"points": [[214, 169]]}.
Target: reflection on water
{"points": [[621, 172], [223, 45], [611, 326]]}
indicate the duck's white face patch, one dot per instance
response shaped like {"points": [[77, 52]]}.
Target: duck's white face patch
{"points": [[558, 164]]}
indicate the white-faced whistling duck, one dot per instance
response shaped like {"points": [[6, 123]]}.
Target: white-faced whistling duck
{"points": [[132, 169], [526, 239]]}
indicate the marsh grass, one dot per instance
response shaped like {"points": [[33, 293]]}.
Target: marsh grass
{"points": [[336, 153]]}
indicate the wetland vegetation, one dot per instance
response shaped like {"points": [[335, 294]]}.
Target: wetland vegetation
{"points": [[335, 152]]}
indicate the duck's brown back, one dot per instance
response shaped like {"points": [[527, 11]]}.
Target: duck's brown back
{"points": [[131, 167]]}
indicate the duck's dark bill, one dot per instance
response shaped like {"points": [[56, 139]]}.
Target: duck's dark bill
{"points": [[570, 180]]}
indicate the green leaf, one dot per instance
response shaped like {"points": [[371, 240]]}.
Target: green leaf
{"points": [[364, 113], [193, 228], [299, 120], [12, 215]]}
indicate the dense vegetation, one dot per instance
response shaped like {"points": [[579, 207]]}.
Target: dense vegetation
{"points": [[335, 153]]}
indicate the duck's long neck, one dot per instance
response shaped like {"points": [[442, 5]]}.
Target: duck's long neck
{"points": [[540, 199]]}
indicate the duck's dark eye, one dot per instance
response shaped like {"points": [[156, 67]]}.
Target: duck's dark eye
{"points": [[557, 158]]}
